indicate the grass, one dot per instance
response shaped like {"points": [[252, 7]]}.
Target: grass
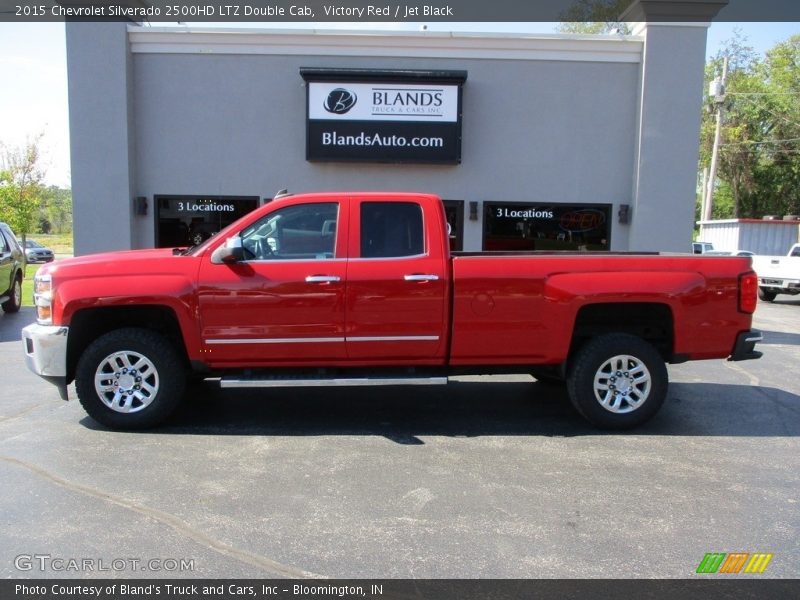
{"points": [[27, 285], [60, 243]]}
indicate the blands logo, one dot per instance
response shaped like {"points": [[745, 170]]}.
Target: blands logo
{"points": [[734, 562], [420, 103], [340, 100]]}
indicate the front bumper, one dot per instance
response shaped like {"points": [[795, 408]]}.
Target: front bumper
{"points": [[46, 353], [746, 341], [779, 283]]}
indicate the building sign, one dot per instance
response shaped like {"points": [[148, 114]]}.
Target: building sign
{"points": [[522, 226], [383, 116]]}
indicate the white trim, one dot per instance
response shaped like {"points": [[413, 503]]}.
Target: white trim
{"points": [[562, 47], [390, 338], [276, 340], [395, 338], [639, 28], [322, 382]]}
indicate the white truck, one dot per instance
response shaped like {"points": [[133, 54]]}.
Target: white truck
{"points": [[778, 274]]}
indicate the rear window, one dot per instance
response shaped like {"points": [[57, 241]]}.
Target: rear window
{"points": [[391, 229]]}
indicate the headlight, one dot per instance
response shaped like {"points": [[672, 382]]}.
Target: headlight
{"points": [[43, 299]]}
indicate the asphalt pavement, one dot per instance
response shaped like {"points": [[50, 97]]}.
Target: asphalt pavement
{"points": [[491, 477]]}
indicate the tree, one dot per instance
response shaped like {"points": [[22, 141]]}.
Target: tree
{"points": [[21, 187], [759, 160], [55, 213], [595, 17]]}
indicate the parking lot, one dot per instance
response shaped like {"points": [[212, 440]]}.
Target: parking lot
{"points": [[488, 478]]}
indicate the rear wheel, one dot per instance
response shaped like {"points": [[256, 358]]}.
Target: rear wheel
{"points": [[617, 381], [766, 295], [130, 379], [14, 301]]}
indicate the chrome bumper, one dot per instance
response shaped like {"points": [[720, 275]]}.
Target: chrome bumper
{"points": [[46, 353]]}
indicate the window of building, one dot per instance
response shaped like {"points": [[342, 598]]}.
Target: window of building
{"points": [[191, 220], [391, 229], [523, 226], [300, 232]]}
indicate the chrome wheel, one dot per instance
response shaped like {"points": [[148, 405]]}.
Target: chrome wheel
{"points": [[126, 381], [622, 384], [17, 292]]}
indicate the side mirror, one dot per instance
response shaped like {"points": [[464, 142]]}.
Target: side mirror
{"points": [[229, 253]]}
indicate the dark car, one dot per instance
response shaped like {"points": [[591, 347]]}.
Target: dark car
{"points": [[36, 253], [11, 270]]}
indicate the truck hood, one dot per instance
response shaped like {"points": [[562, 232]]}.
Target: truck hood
{"points": [[122, 263]]}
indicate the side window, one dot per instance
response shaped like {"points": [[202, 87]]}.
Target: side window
{"points": [[391, 229], [796, 251], [4, 247], [300, 232]]}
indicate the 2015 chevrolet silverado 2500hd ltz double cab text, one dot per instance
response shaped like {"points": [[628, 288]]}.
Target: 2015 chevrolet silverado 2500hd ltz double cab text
{"points": [[361, 289]]}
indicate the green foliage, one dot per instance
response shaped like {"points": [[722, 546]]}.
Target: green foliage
{"points": [[21, 187], [759, 161], [594, 17], [25, 203], [55, 212]]}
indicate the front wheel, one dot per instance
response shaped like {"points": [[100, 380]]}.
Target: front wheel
{"points": [[617, 381], [130, 379], [14, 302]]}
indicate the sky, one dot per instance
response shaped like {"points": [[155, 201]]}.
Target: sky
{"points": [[33, 70]]}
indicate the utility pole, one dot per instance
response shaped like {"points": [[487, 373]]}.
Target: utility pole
{"points": [[717, 93]]}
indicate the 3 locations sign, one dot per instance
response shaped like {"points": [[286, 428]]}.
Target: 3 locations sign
{"points": [[384, 116]]}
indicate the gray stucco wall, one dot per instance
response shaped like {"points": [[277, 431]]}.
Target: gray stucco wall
{"points": [[101, 123], [535, 131], [668, 146]]}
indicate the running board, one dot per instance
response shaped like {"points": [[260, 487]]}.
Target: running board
{"points": [[279, 382]]}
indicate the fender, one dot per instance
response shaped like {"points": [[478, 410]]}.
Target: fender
{"points": [[176, 292]]}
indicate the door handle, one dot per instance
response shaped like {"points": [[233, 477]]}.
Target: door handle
{"points": [[323, 279], [420, 277]]}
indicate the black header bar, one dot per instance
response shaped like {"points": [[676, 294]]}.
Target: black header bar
{"points": [[385, 75], [709, 588]]}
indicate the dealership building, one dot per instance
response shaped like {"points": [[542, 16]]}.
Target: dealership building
{"points": [[535, 142]]}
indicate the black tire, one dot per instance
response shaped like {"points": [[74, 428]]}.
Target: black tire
{"points": [[161, 381], [639, 399], [14, 302], [766, 295]]}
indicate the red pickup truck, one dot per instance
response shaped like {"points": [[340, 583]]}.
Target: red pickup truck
{"points": [[361, 289]]}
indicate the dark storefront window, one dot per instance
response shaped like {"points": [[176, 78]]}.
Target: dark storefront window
{"points": [[522, 226], [190, 220], [454, 211]]}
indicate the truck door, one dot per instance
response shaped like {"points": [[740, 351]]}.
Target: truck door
{"points": [[396, 284], [284, 303]]}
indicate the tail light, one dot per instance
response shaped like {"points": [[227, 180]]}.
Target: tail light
{"points": [[748, 292]]}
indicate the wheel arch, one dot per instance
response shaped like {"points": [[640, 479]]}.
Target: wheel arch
{"points": [[652, 321], [88, 324]]}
